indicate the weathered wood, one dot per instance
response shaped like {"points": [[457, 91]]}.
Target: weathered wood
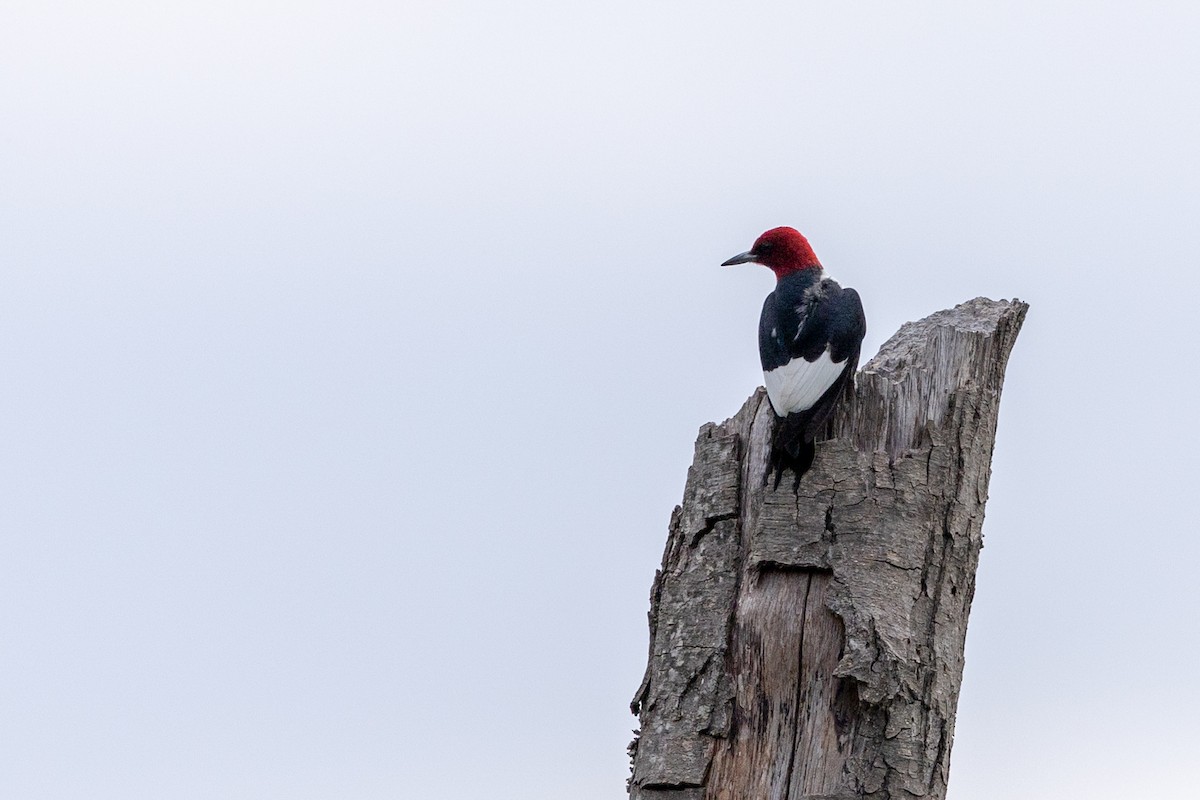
{"points": [[809, 645]]}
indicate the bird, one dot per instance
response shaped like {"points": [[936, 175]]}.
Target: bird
{"points": [[809, 340]]}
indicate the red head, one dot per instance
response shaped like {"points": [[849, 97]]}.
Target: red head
{"points": [[783, 250]]}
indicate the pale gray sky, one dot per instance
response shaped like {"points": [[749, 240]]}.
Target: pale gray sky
{"points": [[351, 356]]}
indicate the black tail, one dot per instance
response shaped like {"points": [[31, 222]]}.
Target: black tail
{"points": [[794, 443], [791, 448]]}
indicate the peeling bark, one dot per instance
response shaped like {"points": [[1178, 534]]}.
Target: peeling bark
{"points": [[809, 645]]}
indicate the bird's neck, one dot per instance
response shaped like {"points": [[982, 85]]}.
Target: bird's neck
{"points": [[801, 276]]}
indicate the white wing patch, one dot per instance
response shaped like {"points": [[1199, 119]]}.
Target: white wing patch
{"points": [[799, 384]]}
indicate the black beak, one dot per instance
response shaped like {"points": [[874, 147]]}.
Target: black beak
{"points": [[740, 258]]}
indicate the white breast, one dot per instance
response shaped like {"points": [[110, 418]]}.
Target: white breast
{"points": [[798, 384]]}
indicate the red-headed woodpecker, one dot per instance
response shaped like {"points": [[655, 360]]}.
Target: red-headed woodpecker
{"points": [[809, 338]]}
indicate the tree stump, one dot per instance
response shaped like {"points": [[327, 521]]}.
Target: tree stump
{"points": [[808, 645]]}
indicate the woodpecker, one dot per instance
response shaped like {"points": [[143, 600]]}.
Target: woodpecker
{"points": [[809, 338]]}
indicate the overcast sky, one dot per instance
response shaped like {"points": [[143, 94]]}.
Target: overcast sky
{"points": [[352, 354]]}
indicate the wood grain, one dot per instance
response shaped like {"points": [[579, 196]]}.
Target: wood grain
{"points": [[809, 645]]}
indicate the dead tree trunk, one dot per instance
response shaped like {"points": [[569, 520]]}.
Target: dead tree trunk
{"points": [[809, 645]]}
